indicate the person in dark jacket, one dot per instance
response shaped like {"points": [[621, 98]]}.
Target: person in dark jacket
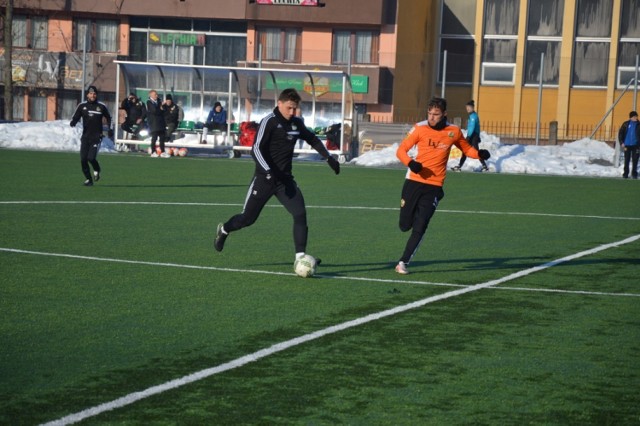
{"points": [[272, 152], [157, 125], [95, 118], [136, 114], [171, 116], [216, 120], [629, 138]]}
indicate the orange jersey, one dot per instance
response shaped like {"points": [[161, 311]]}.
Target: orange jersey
{"points": [[433, 151]]}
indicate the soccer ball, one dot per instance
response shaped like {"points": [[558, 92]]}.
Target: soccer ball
{"points": [[305, 266], [182, 152]]}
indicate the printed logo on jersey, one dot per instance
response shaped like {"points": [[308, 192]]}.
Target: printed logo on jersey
{"points": [[451, 134]]}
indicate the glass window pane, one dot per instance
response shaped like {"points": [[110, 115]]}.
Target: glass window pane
{"points": [[498, 74], [18, 106], [459, 17], [628, 53], [290, 37], [225, 51], [38, 108], [341, 40], [138, 46], [594, 18], [459, 60], [499, 51], [545, 17], [106, 35], [39, 32], [271, 49], [19, 31], [501, 17], [82, 29], [630, 20], [364, 40], [590, 64], [551, 50]]}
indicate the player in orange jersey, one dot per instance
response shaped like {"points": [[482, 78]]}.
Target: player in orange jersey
{"points": [[422, 190]]}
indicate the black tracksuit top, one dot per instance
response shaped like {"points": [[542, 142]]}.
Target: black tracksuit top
{"points": [[275, 141], [92, 114]]}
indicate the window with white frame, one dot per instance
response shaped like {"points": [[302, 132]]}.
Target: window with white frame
{"points": [[592, 43], [544, 39], [500, 41], [355, 47], [101, 35], [279, 44], [457, 40], [629, 46], [30, 31]]}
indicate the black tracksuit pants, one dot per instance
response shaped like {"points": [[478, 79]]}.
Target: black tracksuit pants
{"points": [[261, 190], [89, 147], [418, 204]]}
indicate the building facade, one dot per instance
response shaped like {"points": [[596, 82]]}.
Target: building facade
{"points": [[522, 61]]}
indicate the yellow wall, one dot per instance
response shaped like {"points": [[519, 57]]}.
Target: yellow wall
{"points": [[495, 103], [415, 47]]}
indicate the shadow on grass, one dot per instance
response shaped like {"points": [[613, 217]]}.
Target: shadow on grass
{"points": [[463, 265]]}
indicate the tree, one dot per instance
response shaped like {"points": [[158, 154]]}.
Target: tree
{"points": [[8, 50]]}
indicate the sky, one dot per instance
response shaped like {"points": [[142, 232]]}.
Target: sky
{"points": [[584, 157]]}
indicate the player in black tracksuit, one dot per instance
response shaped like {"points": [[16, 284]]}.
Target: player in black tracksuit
{"points": [[273, 154], [93, 114]]}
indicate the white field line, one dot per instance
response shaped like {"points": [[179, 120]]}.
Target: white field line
{"points": [[163, 203], [279, 347]]}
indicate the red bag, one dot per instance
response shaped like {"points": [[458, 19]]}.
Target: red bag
{"points": [[248, 131]]}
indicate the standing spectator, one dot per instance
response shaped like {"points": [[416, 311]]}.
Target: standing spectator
{"points": [[422, 190], [157, 125], [273, 154], [473, 135], [136, 114], [171, 117], [216, 120], [94, 115], [629, 138]]}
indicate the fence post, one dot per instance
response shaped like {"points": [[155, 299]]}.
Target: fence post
{"points": [[553, 133]]}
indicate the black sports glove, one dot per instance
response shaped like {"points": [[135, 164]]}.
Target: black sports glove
{"points": [[333, 163], [72, 124], [484, 154], [415, 166]]}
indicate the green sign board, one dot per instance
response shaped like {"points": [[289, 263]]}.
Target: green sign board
{"points": [[180, 39], [359, 84]]}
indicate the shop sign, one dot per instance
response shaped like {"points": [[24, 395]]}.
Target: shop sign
{"points": [[289, 2], [359, 84], [180, 39]]}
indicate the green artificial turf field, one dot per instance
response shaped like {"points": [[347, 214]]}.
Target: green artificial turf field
{"points": [[522, 306]]}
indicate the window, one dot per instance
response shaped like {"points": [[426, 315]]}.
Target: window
{"points": [[544, 35], [457, 39], [18, 105], [67, 102], [500, 41], [593, 40], [30, 31], [357, 47], [225, 50], [101, 35], [38, 107], [629, 47], [279, 44]]}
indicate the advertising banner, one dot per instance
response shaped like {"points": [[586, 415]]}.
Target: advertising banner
{"points": [[51, 70]]}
